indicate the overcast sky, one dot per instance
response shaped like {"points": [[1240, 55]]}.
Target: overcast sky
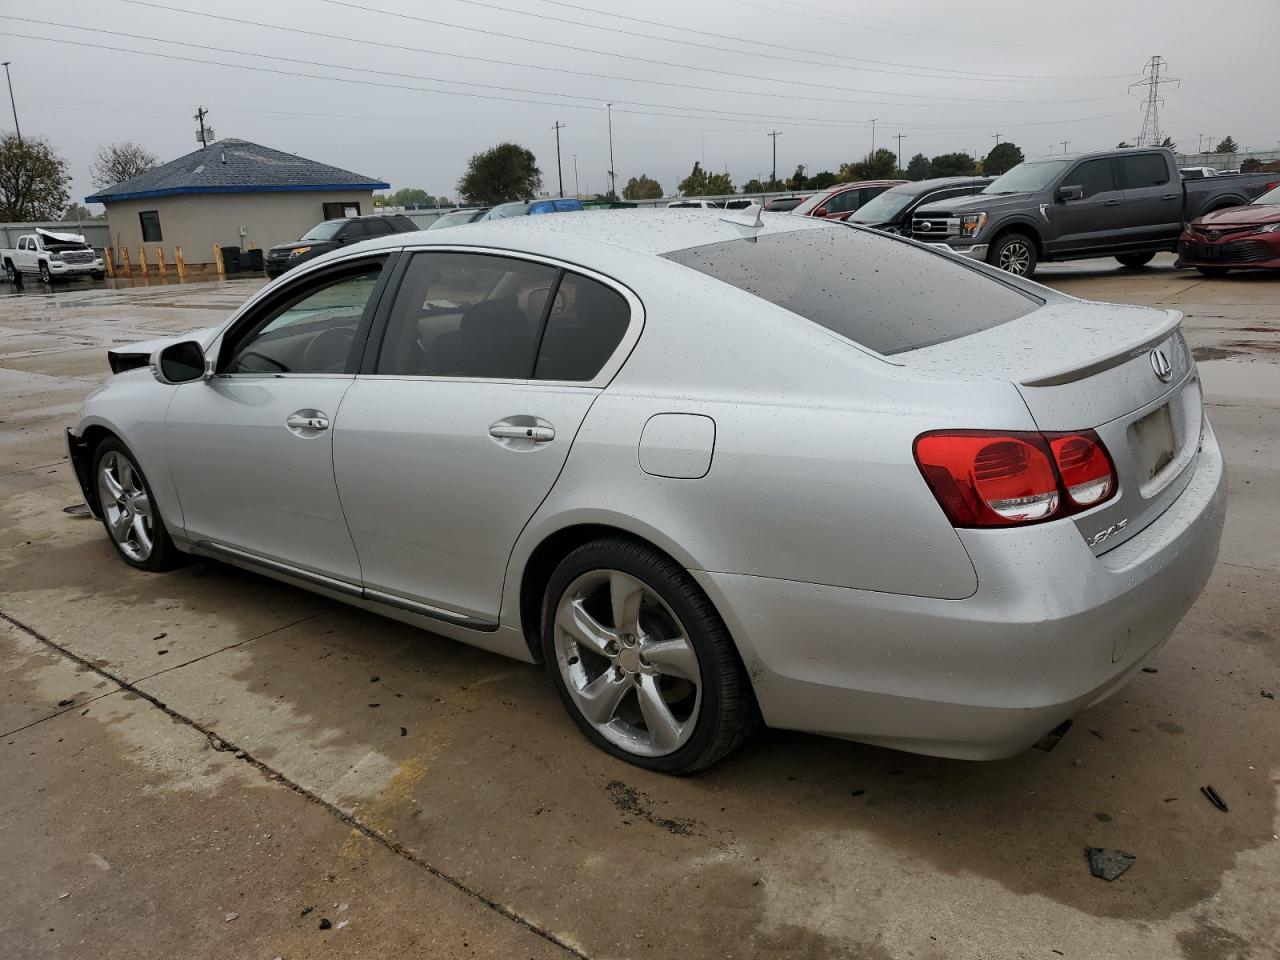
{"points": [[688, 81]]}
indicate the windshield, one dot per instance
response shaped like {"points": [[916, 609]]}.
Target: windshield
{"points": [[885, 294], [1270, 199], [1028, 177], [505, 210], [324, 231], [883, 208], [451, 219]]}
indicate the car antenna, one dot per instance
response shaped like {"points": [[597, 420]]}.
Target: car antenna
{"points": [[753, 212]]}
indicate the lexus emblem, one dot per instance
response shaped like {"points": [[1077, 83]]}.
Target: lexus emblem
{"points": [[1160, 364]]}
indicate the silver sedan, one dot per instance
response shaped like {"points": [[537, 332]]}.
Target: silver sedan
{"points": [[711, 470]]}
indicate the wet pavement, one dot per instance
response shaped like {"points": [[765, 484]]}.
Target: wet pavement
{"points": [[209, 764]]}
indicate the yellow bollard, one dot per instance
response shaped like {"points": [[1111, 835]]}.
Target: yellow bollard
{"points": [[217, 260], [182, 266], [109, 256], [142, 260], [124, 257], [164, 271]]}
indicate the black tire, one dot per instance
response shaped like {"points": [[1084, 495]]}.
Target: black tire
{"points": [[98, 276], [1213, 273], [1135, 260], [164, 555], [1014, 248], [727, 715], [45, 275]]}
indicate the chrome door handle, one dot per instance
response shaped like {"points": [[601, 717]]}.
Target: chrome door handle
{"points": [[300, 421], [1111, 203], [509, 431]]}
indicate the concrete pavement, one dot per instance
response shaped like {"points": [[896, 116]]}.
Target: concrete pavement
{"points": [[184, 748]]}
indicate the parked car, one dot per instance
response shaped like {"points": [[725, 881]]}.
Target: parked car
{"points": [[842, 199], [700, 204], [1237, 238], [526, 208], [910, 511], [330, 235], [52, 256], [1129, 203], [457, 218], [892, 210], [785, 204]]}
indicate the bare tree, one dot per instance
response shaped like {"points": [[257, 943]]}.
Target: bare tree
{"points": [[118, 162]]}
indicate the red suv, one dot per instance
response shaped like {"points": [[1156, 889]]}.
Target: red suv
{"points": [[844, 198]]}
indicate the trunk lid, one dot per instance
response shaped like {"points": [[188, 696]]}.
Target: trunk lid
{"points": [[1123, 371]]}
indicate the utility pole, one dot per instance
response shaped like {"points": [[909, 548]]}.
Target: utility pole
{"points": [[900, 137], [1064, 146], [873, 136], [1152, 78], [613, 178], [559, 172], [576, 191], [775, 134], [201, 113], [17, 129], [997, 138]]}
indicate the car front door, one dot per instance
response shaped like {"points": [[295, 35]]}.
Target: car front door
{"points": [[251, 448], [1152, 199], [1097, 217], [455, 435]]}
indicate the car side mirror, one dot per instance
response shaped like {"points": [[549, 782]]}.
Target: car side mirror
{"points": [[820, 212], [179, 363], [1066, 194]]}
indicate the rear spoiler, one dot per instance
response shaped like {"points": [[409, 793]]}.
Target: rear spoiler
{"points": [[1113, 358]]}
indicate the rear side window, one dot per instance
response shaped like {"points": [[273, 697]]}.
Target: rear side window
{"points": [[887, 295], [1143, 170], [585, 325]]}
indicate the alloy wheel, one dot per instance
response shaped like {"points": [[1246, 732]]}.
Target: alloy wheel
{"points": [[1015, 257], [628, 663], [126, 506]]}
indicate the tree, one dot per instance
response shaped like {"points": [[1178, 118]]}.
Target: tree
{"points": [[118, 162], [753, 186], [34, 181], [642, 188], [881, 165], [1003, 156], [822, 180], [695, 184], [798, 180], [78, 211], [505, 172], [1169, 143], [952, 165], [919, 168], [1227, 145], [719, 183], [411, 197]]}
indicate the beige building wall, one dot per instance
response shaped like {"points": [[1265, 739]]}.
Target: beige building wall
{"points": [[196, 221]]}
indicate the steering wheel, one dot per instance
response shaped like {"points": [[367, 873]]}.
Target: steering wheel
{"points": [[327, 353]]}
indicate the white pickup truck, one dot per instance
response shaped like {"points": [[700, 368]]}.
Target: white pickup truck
{"points": [[52, 256]]}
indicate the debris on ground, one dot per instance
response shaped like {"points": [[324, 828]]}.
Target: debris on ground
{"points": [[1108, 864], [67, 702], [404, 732], [324, 923], [373, 679], [77, 510], [1268, 694], [1150, 669], [217, 743], [1214, 797], [230, 916], [160, 636], [306, 910]]}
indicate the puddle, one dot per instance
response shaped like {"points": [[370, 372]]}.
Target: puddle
{"points": [[1241, 378]]}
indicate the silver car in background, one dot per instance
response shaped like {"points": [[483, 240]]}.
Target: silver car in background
{"points": [[710, 470]]}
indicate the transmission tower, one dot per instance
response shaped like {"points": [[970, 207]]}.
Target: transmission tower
{"points": [[1153, 76]]}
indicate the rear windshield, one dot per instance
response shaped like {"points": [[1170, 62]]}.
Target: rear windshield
{"points": [[885, 294]]}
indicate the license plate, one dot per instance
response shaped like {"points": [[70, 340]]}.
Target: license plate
{"points": [[1153, 441]]}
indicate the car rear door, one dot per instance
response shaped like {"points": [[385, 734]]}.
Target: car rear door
{"points": [[1152, 199], [251, 448], [462, 419]]}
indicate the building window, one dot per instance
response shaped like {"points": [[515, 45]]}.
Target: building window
{"points": [[342, 209], [150, 220]]}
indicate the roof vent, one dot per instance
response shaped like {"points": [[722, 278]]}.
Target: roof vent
{"points": [[224, 156]]}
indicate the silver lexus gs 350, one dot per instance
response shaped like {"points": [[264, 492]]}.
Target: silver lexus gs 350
{"points": [[711, 471]]}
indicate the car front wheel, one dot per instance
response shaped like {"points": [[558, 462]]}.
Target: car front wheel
{"points": [[44, 273], [1135, 260], [641, 659], [129, 511], [1014, 253]]}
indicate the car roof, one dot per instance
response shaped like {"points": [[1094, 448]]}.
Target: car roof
{"points": [[913, 187], [643, 231]]}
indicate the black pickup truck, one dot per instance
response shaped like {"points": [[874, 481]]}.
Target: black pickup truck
{"points": [[1128, 203]]}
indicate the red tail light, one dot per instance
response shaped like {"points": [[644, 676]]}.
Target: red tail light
{"points": [[994, 479]]}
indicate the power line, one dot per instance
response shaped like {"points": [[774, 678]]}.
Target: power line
{"points": [[1151, 115]]}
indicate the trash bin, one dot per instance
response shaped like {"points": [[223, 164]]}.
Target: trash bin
{"points": [[255, 260], [231, 259]]}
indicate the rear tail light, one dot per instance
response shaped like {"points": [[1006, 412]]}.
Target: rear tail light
{"points": [[997, 479]]}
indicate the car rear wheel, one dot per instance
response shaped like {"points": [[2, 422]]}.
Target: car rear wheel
{"points": [[1135, 260], [1014, 253], [128, 510], [1213, 272], [10, 274], [641, 659]]}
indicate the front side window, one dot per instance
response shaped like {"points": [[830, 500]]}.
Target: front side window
{"points": [[466, 315], [848, 200], [1143, 170], [150, 223], [1095, 176], [887, 295], [312, 331]]}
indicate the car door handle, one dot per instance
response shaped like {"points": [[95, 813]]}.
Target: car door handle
{"points": [[1170, 196], [1111, 203], [307, 421], [512, 431]]}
